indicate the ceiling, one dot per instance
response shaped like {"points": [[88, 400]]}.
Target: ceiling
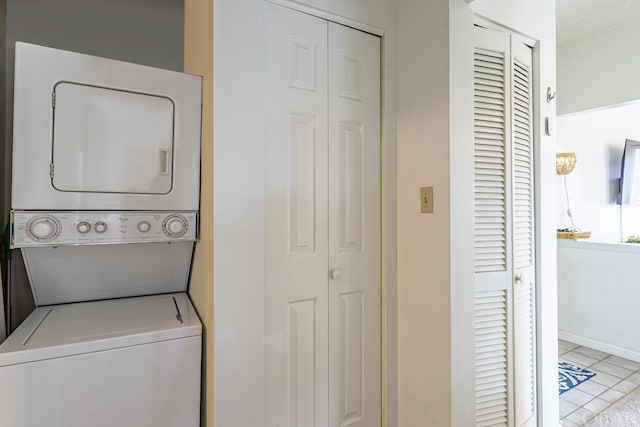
{"points": [[579, 18]]}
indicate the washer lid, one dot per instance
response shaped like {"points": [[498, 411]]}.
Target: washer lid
{"points": [[70, 329]]}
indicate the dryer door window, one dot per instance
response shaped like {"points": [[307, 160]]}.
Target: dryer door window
{"points": [[111, 141]]}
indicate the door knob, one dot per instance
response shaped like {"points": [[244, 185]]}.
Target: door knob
{"points": [[519, 278], [335, 274]]}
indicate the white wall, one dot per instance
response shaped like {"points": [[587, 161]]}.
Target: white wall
{"points": [[599, 70], [598, 307], [597, 137], [239, 103]]}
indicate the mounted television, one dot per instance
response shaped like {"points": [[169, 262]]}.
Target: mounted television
{"points": [[629, 191]]}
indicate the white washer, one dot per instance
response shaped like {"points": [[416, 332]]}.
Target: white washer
{"points": [[123, 362]]}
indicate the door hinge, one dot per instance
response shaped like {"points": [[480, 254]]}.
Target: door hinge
{"points": [[53, 100], [51, 171]]}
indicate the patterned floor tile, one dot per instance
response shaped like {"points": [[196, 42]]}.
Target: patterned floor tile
{"points": [[624, 386], [592, 387], [611, 395], [625, 363], [616, 371], [590, 352], [577, 397], [597, 405], [606, 379], [566, 407], [567, 345], [581, 416], [635, 378], [579, 359]]}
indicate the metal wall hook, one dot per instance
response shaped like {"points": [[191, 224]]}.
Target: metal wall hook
{"points": [[551, 94]]}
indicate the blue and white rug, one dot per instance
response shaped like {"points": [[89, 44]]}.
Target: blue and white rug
{"points": [[570, 376]]}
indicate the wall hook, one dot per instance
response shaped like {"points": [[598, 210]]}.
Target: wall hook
{"points": [[551, 94]]}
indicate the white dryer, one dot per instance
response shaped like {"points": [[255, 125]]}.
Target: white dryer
{"points": [[92, 133], [105, 196]]}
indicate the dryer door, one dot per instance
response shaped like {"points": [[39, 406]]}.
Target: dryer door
{"points": [[111, 141]]}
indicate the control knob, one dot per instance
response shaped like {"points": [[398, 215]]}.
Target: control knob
{"points": [[43, 228], [100, 227], [83, 227], [144, 226], [175, 226]]}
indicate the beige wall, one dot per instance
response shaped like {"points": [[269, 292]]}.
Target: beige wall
{"points": [[424, 357], [198, 59]]}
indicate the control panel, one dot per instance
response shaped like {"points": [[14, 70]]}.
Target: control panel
{"points": [[31, 228]]}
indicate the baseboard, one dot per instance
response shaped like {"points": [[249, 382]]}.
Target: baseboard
{"points": [[597, 345]]}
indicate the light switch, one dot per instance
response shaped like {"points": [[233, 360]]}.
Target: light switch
{"points": [[426, 199]]}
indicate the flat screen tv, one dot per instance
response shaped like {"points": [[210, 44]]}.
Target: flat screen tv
{"points": [[629, 191]]}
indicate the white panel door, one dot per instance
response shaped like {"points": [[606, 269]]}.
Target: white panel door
{"points": [[504, 234], [322, 224], [354, 232], [296, 220]]}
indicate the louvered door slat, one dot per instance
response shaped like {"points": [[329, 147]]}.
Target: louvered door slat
{"points": [[492, 381], [522, 165], [489, 159]]}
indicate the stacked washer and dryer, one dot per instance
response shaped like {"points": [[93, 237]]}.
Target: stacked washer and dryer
{"points": [[105, 196]]}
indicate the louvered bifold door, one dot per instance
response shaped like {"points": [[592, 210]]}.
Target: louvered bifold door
{"points": [[492, 219], [504, 232], [523, 235]]}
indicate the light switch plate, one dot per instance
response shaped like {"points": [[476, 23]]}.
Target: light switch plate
{"points": [[426, 199]]}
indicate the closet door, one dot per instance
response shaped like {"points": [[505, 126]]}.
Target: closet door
{"points": [[523, 234], [296, 220], [354, 228], [322, 223], [504, 239]]}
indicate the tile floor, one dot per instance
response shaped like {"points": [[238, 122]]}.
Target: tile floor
{"points": [[615, 378]]}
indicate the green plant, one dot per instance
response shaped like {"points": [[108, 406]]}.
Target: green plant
{"points": [[633, 239]]}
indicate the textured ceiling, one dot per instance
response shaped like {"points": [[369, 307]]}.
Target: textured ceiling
{"points": [[579, 18]]}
